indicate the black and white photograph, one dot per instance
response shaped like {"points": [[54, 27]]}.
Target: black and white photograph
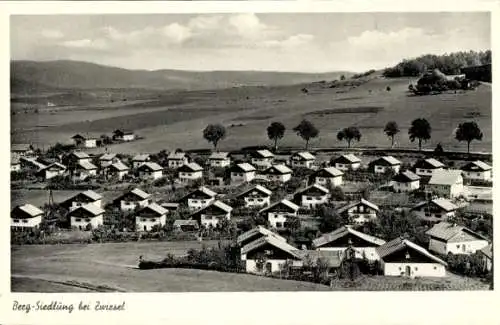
{"points": [[251, 152]]}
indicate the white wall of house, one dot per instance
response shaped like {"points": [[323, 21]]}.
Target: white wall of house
{"points": [[137, 164], [448, 191], [425, 171], [196, 204], [416, 269], [207, 220], [277, 219], [422, 213], [406, 186], [119, 174], [241, 177], [251, 265], [257, 201], [82, 174], [335, 181], [220, 162], [345, 167], [301, 163], [308, 201], [81, 223], [15, 167], [90, 143], [146, 224], [53, 173], [262, 163], [383, 169], [466, 247], [369, 252], [151, 175], [105, 163], [128, 137], [479, 175], [186, 177], [283, 178], [175, 163], [131, 205], [26, 223], [363, 215]]}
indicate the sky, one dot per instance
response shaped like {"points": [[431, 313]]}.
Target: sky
{"points": [[303, 42]]}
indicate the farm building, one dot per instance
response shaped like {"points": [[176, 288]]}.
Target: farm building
{"points": [[254, 234], [478, 72], [279, 212], [117, 170], [30, 164], [401, 257], [451, 238], [241, 173], [278, 173], [312, 196], [150, 170], [83, 170], [340, 239], [360, 211], [219, 159], [190, 172], [487, 257], [150, 216], [86, 216], [85, 142], [302, 159], [186, 225], [78, 156], [123, 135], [199, 198], [328, 175], [133, 199], [262, 159], [53, 170], [447, 183], [406, 181], [15, 164], [108, 159], [435, 210], [25, 216], [346, 162], [139, 160], [425, 167], [177, 159], [257, 196], [21, 149], [83, 198], [384, 164], [477, 170], [211, 215]]}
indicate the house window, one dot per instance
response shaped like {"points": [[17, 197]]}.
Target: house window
{"points": [[435, 267], [203, 201], [143, 219], [260, 200], [309, 198], [78, 219], [194, 201], [416, 268], [16, 221], [87, 220], [25, 221], [153, 220], [478, 174], [278, 225]]}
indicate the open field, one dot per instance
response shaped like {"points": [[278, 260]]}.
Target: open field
{"points": [[177, 120]]}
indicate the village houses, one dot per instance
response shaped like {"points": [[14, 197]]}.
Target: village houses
{"points": [[86, 216], [279, 213], [278, 173], [177, 159], [190, 172], [21, 150], [435, 210], [302, 159], [257, 196], [108, 159], [446, 183], [117, 170], [25, 216], [133, 199], [328, 176], [211, 215], [359, 212], [446, 237], [405, 181], [312, 196], [425, 167], [262, 159], [150, 216], [139, 160], [219, 159], [52, 170], [83, 198], [83, 170], [384, 164], [242, 173], [85, 142], [78, 156], [254, 234], [150, 170], [346, 162], [185, 225], [199, 198], [30, 164], [124, 135], [477, 170]]}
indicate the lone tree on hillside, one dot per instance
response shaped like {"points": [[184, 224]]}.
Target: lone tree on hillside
{"points": [[306, 130], [213, 133], [275, 131], [420, 129], [391, 129], [349, 134], [468, 131]]}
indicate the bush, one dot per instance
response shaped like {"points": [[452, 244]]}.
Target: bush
{"points": [[468, 265], [388, 88]]}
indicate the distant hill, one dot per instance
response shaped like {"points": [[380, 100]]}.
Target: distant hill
{"points": [[28, 76]]}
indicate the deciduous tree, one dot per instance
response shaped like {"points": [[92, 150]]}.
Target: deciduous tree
{"points": [[275, 131], [214, 133], [468, 131], [306, 130], [349, 134], [420, 129], [391, 129]]}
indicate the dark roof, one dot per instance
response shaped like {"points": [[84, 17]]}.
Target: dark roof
{"points": [[429, 163], [451, 232], [243, 167], [405, 177], [313, 188], [256, 188], [290, 205], [343, 231], [476, 166], [385, 161], [399, 244], [442, 203], [190, 167], [150, 166], [278, 169], [346, 159], [28, 210], [362, 201], [328, 172]]}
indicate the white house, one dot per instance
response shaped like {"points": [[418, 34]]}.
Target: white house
{"points": [[328, 175], [133, 199], [83, 198], [25, 216], [401, 257], [254, 234], [219, 159], [406, 181], [340, 239], [312, 196], [435, 210], [86, 142], [124, 135], [150, 216], [150, 170], [278, 173], [346, 162], [302, 159], [279, 212], [190, 172], [21, 150], [108, 159], [177, 159], [138, 160], [15, 164], [53, 170], [117, 170], [447, 183], [360, 211], [262, 159], [477, 170], [383, 164], [447, 237], [211, 215], [83, 170], [241, 173], [257, 196], [78, 156], [199, 198], [425, 167], [85, 215]]}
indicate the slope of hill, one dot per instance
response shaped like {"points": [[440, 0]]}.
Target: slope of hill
{"points": [[84, 75]]}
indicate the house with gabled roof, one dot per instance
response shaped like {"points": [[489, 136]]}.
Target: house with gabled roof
{"points": [[328, 176], [425, 167], [302, 159], [117, 170], [140, 159], [84, 141], [177, 159], [150, 171], [31, 164], [360, 211], [487, 257], [52, 170], [150, 216], [346, 162], [199, 198], [133, 199], [190, 172], [401, 257], [212, 214], [279, 213], [83, 170], [83, 198], [262, 159], [21, 149], [257, 196], [124, 135], [447, 183], [384, 164], [477, 170], [186, 225], [78, 156], [312, 196], [219, 159], [364, 245], [26, 216], [254, 234], [85, 216], [435, 210], [241, 173], [406, 181], [15, 164], [278, 173], [108, 159], [446, 238]]}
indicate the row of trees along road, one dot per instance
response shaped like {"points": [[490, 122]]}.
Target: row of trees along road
{"points": [[420, 131]]}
